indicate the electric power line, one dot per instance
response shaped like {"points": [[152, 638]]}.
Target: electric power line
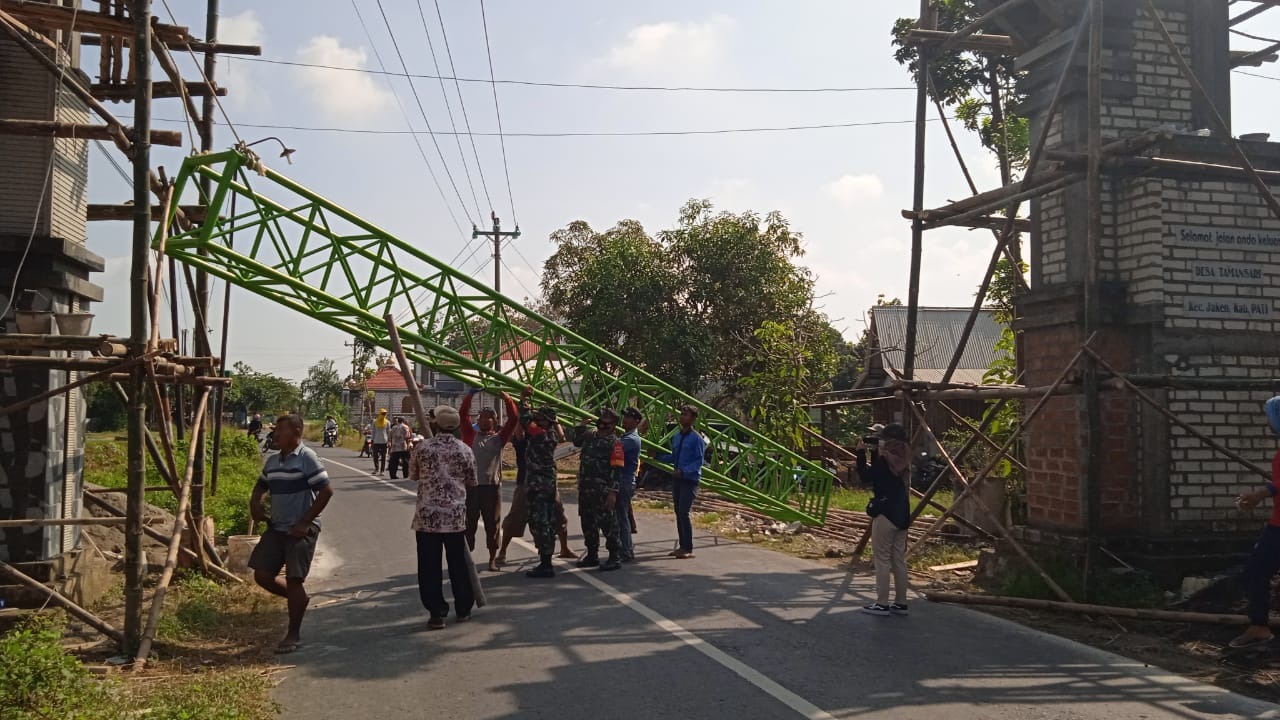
{"points": [[502, 141], [567, 134], [423, 153], [462, 102], [512, 273], [448, 106], [585, 86], [413, 89]]}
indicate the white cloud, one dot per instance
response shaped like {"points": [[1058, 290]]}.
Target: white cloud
{"points": [[341, 94], [664, 48], [854, 189], [242, 29]]}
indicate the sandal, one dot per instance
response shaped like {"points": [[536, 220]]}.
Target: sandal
{"points": [[285, 648], [1248, 641]]}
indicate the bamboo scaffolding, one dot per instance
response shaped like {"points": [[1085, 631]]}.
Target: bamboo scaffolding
{"points": [[986, 509], [81, 131], [94, 500], [80, 521], [80, 613], [175, 542], [1008, 443]]}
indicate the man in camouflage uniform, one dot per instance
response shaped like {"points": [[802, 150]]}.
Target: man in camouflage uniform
{"points": [[598, 477], [544, 433]]}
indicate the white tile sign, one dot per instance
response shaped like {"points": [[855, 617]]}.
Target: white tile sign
{"points": [[1227, 260]]}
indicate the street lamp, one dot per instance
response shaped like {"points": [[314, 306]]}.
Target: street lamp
{"points": [[285, 150]]}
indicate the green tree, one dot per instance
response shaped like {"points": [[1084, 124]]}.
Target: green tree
{"points": [[362, 363], [104, 407], [961, 80], [788, 366], [322, 390], [252, 391]]}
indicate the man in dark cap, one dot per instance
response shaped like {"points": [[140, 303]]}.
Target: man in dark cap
{"points": [[599, 468], [543, 433]]}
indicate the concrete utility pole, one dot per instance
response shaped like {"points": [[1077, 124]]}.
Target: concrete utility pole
{"points": [[497, 234]]}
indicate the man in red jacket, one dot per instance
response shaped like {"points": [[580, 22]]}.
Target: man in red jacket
{"points": [[1264, 561], [484, 500]]}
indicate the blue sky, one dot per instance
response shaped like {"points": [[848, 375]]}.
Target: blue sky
{"points": [[842, 188]]}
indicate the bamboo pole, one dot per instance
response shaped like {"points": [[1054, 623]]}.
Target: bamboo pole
{"points": [[410, 384], [1223, 449], [1263, 189], [1008, 443], [175, 542], [100, 375], [983, 438], [105, 506], [158, 286], [80, 521], [85, 616], [1135, 613], [986, 509]]}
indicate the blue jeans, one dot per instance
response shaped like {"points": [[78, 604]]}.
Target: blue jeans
{"points": [[622, 510], [682, 493], [1263, 562]]}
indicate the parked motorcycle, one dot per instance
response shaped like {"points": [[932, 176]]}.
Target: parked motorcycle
{"points": [[367, 449]]}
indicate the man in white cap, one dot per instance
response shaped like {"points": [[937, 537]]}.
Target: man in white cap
{"points": [[443, 467]]}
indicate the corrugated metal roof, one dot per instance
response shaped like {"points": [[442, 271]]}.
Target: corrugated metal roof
{"points": [[937, 334]]}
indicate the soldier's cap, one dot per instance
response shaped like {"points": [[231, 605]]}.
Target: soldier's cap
{"points": [[545, 412], [607, 415], [632, 413]]}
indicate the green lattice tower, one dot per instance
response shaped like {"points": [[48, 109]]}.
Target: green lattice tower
{"points": [[306, 253]]}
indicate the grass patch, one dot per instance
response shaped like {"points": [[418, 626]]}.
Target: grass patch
{"points": [[653, 504], [707, 519], [940, 553], [856, 499], [241, 462], [39, 679]]}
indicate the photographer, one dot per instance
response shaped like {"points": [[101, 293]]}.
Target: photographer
{"points": [[889, 472], [869, 445]]}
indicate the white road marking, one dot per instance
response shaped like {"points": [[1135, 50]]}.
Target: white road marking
{"points": [[761, 681]]}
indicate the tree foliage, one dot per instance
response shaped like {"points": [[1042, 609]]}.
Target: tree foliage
{"points": [[713, 305], [322, 390], [252, 391], [961, 81]]}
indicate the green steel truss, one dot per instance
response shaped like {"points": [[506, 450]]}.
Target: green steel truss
{"points": [[302, 251]]}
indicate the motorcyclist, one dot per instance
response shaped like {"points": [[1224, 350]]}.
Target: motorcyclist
{"points": [[330, 431], [255, 426]]}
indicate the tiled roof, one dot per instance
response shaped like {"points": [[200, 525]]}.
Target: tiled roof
{"points": [[388, 377]]}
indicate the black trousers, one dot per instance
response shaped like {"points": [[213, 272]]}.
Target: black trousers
{"points": [[399, 461], [1263, 563], [430, 587]]}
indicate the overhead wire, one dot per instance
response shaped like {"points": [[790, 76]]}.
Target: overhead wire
{"points": [[462, 102], [497, 111], [448, 106], [396, 96], [422, 109], [531, 294], [200, 68], [587, 86], [590, 133]]}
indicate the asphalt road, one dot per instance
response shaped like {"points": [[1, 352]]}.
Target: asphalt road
{"points": [[738, 632]]}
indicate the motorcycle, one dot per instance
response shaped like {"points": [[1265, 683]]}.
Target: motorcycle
{"points": [[269, 442], [367, 449], [330, 438]]}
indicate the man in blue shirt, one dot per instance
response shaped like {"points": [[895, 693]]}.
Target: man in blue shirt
{"points": [[296, 480], [631, 419], [688, 451]]}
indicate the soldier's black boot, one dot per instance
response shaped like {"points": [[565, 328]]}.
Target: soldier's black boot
{"points": [[544, 569], [592, 559], [613, 563]]}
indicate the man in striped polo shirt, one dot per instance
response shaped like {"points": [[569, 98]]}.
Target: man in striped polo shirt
{"points": [[296, 480]]}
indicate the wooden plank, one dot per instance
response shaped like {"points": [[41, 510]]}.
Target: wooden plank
{"points": [[81, 131], [955, 566], [978, 43], [58, 17], [124, 92], [193, 46], [95, 212]]}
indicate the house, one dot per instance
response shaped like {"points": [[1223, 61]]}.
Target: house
{"points": [[938, 331]]}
